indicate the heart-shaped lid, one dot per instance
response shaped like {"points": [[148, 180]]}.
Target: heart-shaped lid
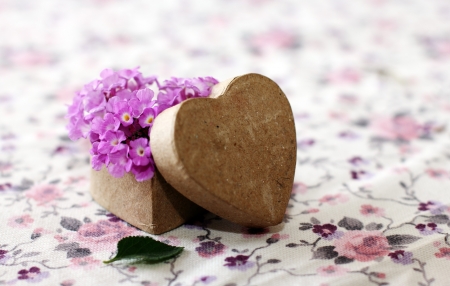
{"points": [[233, 153]]}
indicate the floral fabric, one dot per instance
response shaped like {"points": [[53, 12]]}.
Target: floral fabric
{"points": [[368, 82]]}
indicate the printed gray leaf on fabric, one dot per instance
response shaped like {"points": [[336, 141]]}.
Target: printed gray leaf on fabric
{"points": [[401, 239], [343, 260], [67, 246], [30, 254], [325, 252], [305, 226], [374, 226], [350, 223], [314, 220], [70, 223], [78, 252], [439, 219]]}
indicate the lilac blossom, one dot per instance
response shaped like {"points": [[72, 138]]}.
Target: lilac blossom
{"points": [[98, 159], [121, 163], [112, 142], [123, 113], [141, 101], [147, 118], [116, 113], [140, 152]]}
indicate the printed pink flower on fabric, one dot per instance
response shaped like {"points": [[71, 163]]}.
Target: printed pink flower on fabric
{"points": [[402, 127], [362, 245], [44, 194], [209, 249], [369, 210], [444, 252], [299, 188], [21, 221], [86, 263], [438, 173], [103, 232], [331, 270], [334, 199]]}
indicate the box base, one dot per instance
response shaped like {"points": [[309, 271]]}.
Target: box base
{"points": [[153, 206]]}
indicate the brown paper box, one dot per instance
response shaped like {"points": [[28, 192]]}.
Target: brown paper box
{"points": [[153, 205]]}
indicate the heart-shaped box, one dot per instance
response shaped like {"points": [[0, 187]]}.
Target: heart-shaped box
{"points": [[233, 153]]}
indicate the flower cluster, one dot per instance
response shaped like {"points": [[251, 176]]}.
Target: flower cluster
{"points": [[117, 111]]}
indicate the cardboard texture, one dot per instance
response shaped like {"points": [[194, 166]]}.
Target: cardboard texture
{"points": [[153, 205], [233, 153]]}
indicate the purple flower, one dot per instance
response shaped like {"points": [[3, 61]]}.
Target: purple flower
{"points": [[210, 249], [147, 118], [93, 102], [129, 73], [101, 126], [425, 206], [112, 80], [239, 262], [180, 89], [119, 161], [4, 187], [113, 218], [98, 159], [140, 152], [207, 279], [3, 253], [117, 111], [166, 98], [401, 257], [325, 231], [143, 81], [78, 127], [33, 275], [303, 144], [112, 142], [357, 161], [123, 112], [433, 206], [428, 229], [142, 100]]}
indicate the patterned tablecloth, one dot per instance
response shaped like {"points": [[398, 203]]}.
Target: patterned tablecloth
{"points": [[368, 82]]}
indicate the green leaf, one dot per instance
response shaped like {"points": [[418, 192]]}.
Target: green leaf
{"points": [[144, 249]]}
